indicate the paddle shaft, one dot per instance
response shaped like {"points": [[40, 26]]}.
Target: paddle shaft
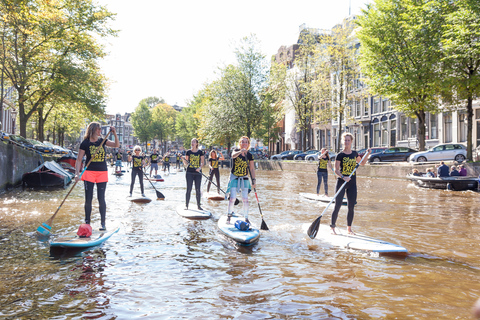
{"points": [[205, 176], [159, 194], [263, 225], [49, 221]]}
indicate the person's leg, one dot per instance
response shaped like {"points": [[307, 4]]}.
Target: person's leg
{"points": [[88, 200], [210, 180], [140, 177], [319, 182], [217, 175], [198, 185], [231, 202], [132, 183], [338, 203], [189, 179], [351, 200], [245, 203], [325, 182], [102, 204]]}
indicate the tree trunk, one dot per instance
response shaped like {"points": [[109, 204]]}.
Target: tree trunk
{"points": [[421, 129], [469, 127]]}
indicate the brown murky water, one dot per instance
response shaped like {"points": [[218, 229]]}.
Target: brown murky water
{"points": [[161, 266]]}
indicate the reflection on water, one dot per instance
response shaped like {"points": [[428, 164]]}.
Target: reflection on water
{"points": [[160, 265]]}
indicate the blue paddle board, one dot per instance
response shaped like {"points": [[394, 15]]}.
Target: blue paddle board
{"points": [[244, 238], [71, 240]]}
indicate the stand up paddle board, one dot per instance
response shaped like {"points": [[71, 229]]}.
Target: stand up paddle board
{"points": [[71, 240], [214, 196], [322, 198], [155, 178], [139, 199], [245, 238], [358, 241], [118, 173], [193, 214]]}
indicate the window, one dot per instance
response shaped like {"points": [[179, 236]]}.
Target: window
{"points": [[385, 133], [385, 105], [376, 105], [358, 109], [403, 127], [433, 126], [447, 120], [366, 107], [413, 128], [462, 127], [376, 135]]}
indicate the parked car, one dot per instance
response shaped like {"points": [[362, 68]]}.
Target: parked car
{"points": [[4, 136], [301, 156], [362, 152], [290, 154], [392, 154], [258, 154], [444, 151], [279, 156], [21, 141], [37, 145], [57, 149], [314, 156]]}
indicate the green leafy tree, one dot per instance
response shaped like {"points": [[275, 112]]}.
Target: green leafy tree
{"points": [[152, 102], [400, 55], [187, 121], [163, 122], [44, 42], [461, 62], [142, 122]]}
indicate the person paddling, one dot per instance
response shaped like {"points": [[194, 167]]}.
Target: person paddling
{"points": [[97, 171], [138, 162], [154, 162], [242, 161], [213, 164], [195, 158], [345, 163], [322, 170]]}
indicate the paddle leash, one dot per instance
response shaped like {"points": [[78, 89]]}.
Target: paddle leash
{"points": [[263, 226], [44, 228], [160, 195], [313, 229], [236, 200]]}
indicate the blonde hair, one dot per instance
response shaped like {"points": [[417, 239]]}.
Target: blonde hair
{"points": [[345, 134], [137, 147], [92, 127], [240, 140]]}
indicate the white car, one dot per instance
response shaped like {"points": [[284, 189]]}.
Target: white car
{"points": [[444, 151], [314, 157]]}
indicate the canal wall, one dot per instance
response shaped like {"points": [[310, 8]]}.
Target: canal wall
{"points": [[14, 162], [397, 170]]}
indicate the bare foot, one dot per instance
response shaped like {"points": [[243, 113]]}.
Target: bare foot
{"points": [[333, 231], [350, 232]]}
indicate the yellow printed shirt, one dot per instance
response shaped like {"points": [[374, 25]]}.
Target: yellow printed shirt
{"points": [[137, 162], [194, 158], [323, 163], [154, 158], [348, 162], [119, 156], [213, 163], [98, 163], [240, 164]]}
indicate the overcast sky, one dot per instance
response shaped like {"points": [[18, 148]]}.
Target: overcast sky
{"points": [[169, 49]]}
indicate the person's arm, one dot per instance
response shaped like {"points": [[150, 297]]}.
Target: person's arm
{"points": [[116, 143], [78, 163], [236, 153], [365, 159], [202, 159], [252, 173], [337, 169]]}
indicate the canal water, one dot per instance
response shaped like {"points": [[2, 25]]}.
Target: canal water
{"points": [[161, 266]]}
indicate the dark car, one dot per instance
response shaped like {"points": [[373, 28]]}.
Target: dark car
{"points": [[301, 156], [21, 141], [37, 145], [362, 152], [291, 154], [258, 154], [392, 154]]}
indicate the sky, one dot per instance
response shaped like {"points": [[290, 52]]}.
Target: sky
{"points": [[171, 49]]}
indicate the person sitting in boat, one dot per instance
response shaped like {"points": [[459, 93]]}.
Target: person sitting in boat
{"points": [[416, 173], [454, 172], [430, 173], [462, 171], [138, 162], [443, 170], [154, 162], [118, 163], [242, 162]]}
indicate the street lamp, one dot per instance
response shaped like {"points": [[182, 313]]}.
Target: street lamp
{"points": [[355, 128]]}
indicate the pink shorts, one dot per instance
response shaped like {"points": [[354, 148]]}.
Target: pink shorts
{"points": [[95, 176]]}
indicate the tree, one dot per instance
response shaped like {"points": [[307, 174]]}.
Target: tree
{"points": [[152, 102], [142, 122], [163, 121], [44, 41], [187, 122], [400, 55], [461, 62]]}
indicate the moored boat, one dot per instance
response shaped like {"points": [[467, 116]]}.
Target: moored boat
{"points": [[458, 183], [48, 174]]}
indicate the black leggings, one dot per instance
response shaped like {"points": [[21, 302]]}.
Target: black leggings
{"points": [[190, 177], [217, 175], [101, 186], [351, 189], [135, 172]]}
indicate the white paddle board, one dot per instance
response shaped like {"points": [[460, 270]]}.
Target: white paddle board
{"points": [[358, 241], [72, 240], [322, 198], [192, 213], [244, 238], [214, 196]]}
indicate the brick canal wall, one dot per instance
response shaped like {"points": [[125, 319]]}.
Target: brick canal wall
{"points": [[396, 170]]}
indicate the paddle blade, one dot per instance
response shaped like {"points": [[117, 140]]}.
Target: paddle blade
{"points": [[44, 229], [237, 201], [263, 226], [313, 229], [160, 195]]}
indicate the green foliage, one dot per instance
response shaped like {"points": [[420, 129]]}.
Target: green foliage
{"points": [[187, 122], [142, 122], [163, 121]]}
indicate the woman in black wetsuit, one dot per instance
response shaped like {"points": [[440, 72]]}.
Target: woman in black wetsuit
{"points": [[345, 163], [138, 162], [196, 159]]}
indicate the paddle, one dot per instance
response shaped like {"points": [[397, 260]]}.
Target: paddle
{"points": [[44, 228], [313, 229], [236, 200], [160, 195], [263, 226]]}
